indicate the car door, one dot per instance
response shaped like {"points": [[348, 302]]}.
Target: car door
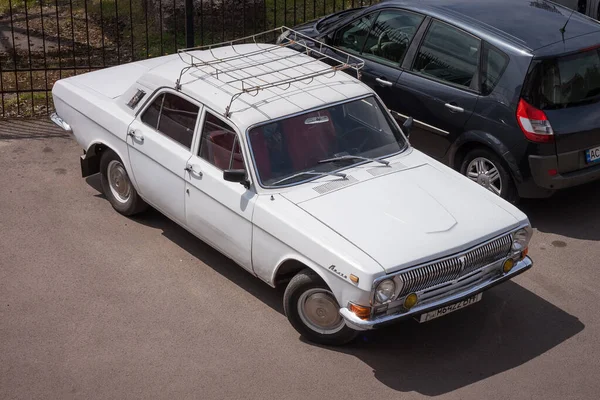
{"points": [[381, 39], [218, 211], [159, 145], [440, 87]]}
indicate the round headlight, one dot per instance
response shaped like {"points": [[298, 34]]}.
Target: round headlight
{"points": [[385, 291], [521, 239]]}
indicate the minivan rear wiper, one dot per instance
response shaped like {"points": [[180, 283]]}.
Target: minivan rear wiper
{"points": [[339, 174], [351, 157]]}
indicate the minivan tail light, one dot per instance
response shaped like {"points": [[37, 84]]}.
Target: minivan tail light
{"points": [[534, 123]]}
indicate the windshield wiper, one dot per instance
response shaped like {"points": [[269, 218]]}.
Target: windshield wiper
{"points": [[351, 157], [339, 174]]}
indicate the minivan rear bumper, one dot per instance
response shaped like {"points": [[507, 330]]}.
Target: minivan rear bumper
{"points": [[541, 165]]}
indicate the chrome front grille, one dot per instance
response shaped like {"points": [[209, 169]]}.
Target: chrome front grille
{"points": [[452, 268]]}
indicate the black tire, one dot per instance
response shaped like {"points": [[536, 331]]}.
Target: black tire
{"points": [[133, 203], [307, 280], [507, 189]]}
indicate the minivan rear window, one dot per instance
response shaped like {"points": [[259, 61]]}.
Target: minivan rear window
{"points": [[565, 81]]}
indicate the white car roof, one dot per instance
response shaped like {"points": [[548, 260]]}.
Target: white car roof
{"points": [[263, 64]]}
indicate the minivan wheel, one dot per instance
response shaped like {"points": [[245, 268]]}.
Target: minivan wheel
{"points": [[487, 169], [313, 311]]}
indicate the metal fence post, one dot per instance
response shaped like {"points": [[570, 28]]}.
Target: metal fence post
{"points": [[189, 23]]}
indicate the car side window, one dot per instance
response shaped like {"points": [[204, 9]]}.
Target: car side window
{"points": [[391, 35], [172, 116], [220, 145], [352, 36], [449, 54], [493, 66]]}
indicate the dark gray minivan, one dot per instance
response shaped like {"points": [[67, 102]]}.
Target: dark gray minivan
{"points": [[505, 91]]}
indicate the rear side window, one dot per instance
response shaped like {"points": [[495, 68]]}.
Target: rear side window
{"points": [[448, 54], [564, 81], [391, 35], [492, 68], [220, 145], [174, 117]]}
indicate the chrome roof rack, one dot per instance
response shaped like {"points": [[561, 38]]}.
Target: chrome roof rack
{"points": [[282, 37]]}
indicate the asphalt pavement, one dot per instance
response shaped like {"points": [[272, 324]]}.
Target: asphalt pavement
{"points": [[94, 305]]}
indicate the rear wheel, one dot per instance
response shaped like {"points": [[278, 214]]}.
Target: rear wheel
{"points": [[313, 310], [487, 169], [117, 186]]}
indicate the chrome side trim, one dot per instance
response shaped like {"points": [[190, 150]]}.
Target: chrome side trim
{"points": [[423, 125], [360, 324], [60, 122]]}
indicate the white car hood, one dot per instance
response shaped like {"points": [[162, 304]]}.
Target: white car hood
{"points": [[412, 216]]}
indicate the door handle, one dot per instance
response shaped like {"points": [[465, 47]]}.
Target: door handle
{"points": [[383, 82], [454, 108], [190, 168], [136, 135]]}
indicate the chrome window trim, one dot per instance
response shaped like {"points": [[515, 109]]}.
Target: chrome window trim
{"points": [[470, 249], [391, 121]]}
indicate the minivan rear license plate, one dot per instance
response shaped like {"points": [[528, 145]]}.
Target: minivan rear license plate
{"points": [[592, 155], [440, 312]]}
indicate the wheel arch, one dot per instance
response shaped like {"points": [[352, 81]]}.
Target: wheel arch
{"points": [[477, 139], [289, 266], [90, 161]]}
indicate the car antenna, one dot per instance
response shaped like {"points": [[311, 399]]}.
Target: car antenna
{"points": [[564, 28]]}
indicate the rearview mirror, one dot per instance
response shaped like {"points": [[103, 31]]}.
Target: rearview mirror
{"points": [[407, 126], [236, 175]]}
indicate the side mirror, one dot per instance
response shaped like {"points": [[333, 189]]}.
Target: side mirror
{"points": [[236, 175], [407, 126]]}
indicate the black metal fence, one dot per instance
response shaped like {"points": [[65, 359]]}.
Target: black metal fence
{"points": [[45, 40]]}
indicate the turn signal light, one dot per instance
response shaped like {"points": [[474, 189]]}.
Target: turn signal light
{"points": [[361, 312], [508, 265]]}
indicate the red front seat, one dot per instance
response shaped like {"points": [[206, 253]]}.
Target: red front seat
{"points": [[309, 143]]}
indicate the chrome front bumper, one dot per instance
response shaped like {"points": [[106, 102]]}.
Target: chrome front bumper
{"points": [[60, 122], [360, 324]]}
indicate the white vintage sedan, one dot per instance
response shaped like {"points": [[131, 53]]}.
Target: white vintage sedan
{"points": [[299, 174]]}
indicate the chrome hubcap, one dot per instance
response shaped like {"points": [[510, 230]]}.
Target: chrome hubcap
{"points": [[319, 310], [485, 173], [119, 183]]}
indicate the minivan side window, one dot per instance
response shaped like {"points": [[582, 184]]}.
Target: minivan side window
{"points": [[391, 35], [448, 54], [352, 36], [172, 116], [493, 66], [220, 145]]}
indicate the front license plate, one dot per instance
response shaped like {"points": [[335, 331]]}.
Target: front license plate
{"points": [[440, 312], [592, 155]]}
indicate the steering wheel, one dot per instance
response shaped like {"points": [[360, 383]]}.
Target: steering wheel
{"points": [[346, 139]]}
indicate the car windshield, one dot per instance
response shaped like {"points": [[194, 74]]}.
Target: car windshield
{"points": [[564, 81], [315, 143]]}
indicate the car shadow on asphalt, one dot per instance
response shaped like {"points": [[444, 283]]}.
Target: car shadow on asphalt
{"points": [[509, 327], [572, 212]]}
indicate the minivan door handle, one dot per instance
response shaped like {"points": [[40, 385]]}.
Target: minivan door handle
{"points": [[454, 108], [383, 82]]}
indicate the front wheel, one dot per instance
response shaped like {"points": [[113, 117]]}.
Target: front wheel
{"points": [[486, 169], [313, 310]]}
